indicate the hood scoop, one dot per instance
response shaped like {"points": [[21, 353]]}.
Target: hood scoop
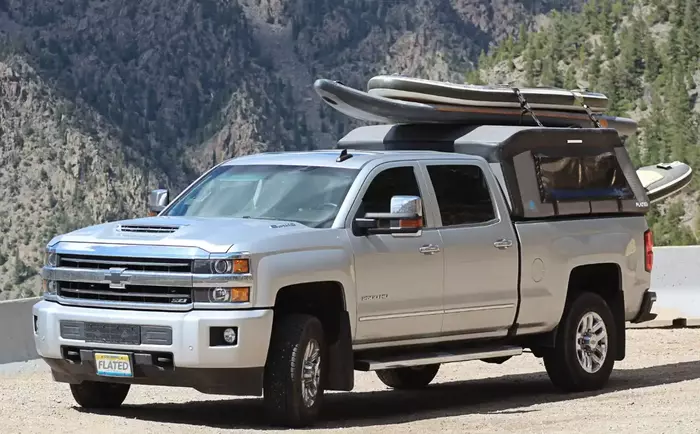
{"points": [[147, 229]]}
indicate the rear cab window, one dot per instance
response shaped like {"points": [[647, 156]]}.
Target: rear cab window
{"points": [[462, 193]]}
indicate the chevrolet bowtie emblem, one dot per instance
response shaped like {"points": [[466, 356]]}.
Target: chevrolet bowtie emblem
{"points": [[116, 279]]}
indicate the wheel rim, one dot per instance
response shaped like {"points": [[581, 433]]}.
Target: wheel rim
{"points": [[591, 342], [311, 372]]}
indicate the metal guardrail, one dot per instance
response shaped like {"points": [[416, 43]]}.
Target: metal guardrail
{"points": [[676, 280]]}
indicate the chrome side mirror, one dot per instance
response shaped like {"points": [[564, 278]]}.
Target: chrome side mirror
{"points": [[405, 218], [407, 205], [157, 201]]}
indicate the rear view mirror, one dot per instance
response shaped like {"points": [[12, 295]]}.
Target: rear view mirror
{"points": [[157, 201], [405, 217]]}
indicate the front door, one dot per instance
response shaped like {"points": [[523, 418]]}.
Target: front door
{"points": [[480, 249], [398, 277]]}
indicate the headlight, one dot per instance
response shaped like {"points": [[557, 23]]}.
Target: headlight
{"points": [[222, 295], [222, 266], [51, 258]]}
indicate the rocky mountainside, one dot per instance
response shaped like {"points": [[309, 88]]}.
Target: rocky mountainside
{"points": [[102, 101]]}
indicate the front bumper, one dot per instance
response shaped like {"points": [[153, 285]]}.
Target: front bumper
{"points": [[645, 314], [193, 356]]}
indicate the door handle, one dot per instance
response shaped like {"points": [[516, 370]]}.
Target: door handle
{"points": [[503, 244], [429, 249]]}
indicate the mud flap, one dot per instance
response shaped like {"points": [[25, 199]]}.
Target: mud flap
{"points": [[341, 373]]}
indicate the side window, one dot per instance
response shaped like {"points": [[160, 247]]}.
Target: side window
{"points": [[390, 182], [462, 194]]}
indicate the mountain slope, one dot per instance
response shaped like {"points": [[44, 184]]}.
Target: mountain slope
{"points": [[62, 167], [644, 55], [102, 101]]}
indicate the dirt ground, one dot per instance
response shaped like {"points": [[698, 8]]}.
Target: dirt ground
{"points": [[655, 390]]}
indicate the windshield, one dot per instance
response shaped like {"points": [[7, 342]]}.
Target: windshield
{"points": [[305, 194]]}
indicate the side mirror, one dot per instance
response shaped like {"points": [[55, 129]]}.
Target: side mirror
{"points": [[157, 201], [405, 217]]}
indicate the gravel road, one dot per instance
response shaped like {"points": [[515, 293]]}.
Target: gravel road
{"points": [[655, 389]]}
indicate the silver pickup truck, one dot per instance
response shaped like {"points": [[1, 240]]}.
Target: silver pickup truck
{"points": [[280, 274]]}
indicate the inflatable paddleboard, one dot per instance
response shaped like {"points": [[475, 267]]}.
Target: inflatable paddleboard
{"points": [[373, 108], [471, 95], [662, 181]]}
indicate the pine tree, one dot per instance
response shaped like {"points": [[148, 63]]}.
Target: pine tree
{"points": [[652, 61], [530, 71], [594, 67], [570, 81]]}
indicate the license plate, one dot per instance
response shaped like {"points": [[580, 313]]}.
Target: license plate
{"points": [[113, 365]]}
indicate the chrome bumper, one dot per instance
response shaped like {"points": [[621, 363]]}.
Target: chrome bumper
{"points": [[193, 344]]}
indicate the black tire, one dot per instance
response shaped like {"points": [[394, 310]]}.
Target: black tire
{"points": [[562, 363], [282, 384], [99, 395], [408, 378]]}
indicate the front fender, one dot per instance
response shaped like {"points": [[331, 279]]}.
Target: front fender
{"points": [[306, 266]]}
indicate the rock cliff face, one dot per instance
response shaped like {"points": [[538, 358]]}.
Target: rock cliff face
{"points": [[102, 101]]}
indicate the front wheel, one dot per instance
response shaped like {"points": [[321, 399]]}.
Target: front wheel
{"points": [[584, 352], [292, 386]]}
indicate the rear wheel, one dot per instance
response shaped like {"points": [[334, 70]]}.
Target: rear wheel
{"points": [[293, 387], [98, 395], [584, 352], [416, 377]]}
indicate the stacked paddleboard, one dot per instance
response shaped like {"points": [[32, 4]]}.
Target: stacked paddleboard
{"points": [[398, 99], [469, 95]]}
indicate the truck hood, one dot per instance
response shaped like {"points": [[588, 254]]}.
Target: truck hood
{"points": [[215, 235]]}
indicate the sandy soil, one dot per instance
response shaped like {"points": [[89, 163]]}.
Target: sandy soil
{"points": [[654, 390]]}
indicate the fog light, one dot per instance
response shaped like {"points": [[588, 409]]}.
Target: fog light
{"points": [[230, 336], [225, 336]]}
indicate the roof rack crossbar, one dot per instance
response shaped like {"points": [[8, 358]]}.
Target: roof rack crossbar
{"points": [[525, 106]]}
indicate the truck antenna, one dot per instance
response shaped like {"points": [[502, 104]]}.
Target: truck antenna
{"points": [[343, 156]]}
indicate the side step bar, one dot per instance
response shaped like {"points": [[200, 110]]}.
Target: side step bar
{"points": [[427, 358]]}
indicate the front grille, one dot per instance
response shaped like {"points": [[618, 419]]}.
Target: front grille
{"points": [[122, 334], [112, 333], [132, 293], [131, 264]]}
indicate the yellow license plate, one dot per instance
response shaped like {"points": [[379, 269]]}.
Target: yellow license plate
{"points": [[113, 365]]}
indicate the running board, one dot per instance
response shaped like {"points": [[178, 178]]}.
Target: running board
{"points": [[428, 358]]}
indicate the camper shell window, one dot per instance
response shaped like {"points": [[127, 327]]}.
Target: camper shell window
{"points": [[585, 177]]}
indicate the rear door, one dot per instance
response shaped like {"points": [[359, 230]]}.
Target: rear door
{"points": [[479, 247]]}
